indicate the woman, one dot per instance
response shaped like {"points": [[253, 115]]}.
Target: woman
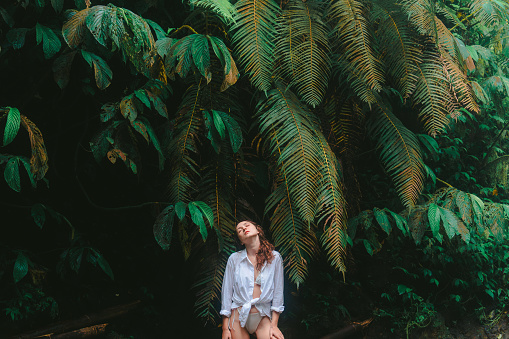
{"points": [[252, 293]]}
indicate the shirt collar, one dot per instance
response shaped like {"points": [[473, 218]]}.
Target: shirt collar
{"points": [[243, 256]]}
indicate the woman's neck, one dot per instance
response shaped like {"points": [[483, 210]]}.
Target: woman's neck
{"points": [[253, 246]]}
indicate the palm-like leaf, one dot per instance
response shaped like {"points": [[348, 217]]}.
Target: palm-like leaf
{"points": [[433, 94], [490, 12], [331, 208], [399, 153], [188, 128], [346, 121], [401, 53], [422, 15], [223, 8], [354, 33], [293, 236], [253, 39], [303, 49], [288, 130]]}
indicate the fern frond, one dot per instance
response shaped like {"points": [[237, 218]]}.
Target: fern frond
{"points": [[223, 8], [433, 94], [401, 52], [460, 86], [399, 152], [490, 12], [346, 123], [422, 15], [253, 39], [303, 49], [288, 130], [187, 130], [331, 208], [292, 236], [352, 29]]}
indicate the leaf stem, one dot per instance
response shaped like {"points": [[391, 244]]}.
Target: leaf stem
{"points": [[184, 26]]}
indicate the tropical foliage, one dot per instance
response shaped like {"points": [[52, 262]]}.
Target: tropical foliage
{"points": [[270, 111]]}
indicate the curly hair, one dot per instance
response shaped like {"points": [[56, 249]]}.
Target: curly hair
{"points": [[264, 253]]}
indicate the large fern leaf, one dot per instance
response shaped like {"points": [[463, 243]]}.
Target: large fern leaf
{"points": [[331, 208], [303, 49], [401, 52], [433, 94], [288, 130], [490, 12], [183, 147], [353, 31], [223, 8], [292, 235], [253, 39], [399, 152]]}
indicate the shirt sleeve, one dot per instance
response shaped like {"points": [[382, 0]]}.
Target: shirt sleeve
{"points": [[227, 289], [278, 300]]}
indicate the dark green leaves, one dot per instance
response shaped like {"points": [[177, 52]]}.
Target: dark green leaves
{"points": [[50, 41], [218, 123], [20, 267], [38, 214], [102, 71], [12, 125], [11, 174], [253, 38], [193, 51]]}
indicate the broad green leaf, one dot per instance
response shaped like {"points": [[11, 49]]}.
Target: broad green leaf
{"points": [[109, 111], [450, 222], [16, 37], [20, 267], [11, 174], [159, 105], [38, 214], [7, 18], [434, 221], [163, 227], [207, 211], [478, 208], [12, 125], [140, 127], [75, 258], [164, 45], [401, 222], [57, 5], [103, 264], [218, 123], [180, 209], [153, 138], [142, 95], [382, 220], [28, 168], [62, 68], [50, 41], [160, 33], [201, 56], [40, 3], [128, 108], [102, 71], [197, 218]]}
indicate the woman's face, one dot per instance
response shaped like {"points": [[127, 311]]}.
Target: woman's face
{"points": [[245, 230]]}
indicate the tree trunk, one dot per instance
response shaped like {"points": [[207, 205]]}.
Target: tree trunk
{"points": [[80, 323]]}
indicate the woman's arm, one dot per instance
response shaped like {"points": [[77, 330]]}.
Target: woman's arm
{"points": [[227, 296]]}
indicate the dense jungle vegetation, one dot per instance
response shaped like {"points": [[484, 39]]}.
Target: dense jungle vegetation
{"points": [[369, 138]]}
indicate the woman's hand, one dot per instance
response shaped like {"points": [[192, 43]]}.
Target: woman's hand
{"points": [[275, 333], [226, 334]]}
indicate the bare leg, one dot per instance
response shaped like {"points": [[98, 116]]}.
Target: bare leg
{"points": [[262, 331], [237, 331]]}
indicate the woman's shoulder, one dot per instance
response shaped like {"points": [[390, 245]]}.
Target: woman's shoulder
{"points": [[235, 255], [276, 254]]}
